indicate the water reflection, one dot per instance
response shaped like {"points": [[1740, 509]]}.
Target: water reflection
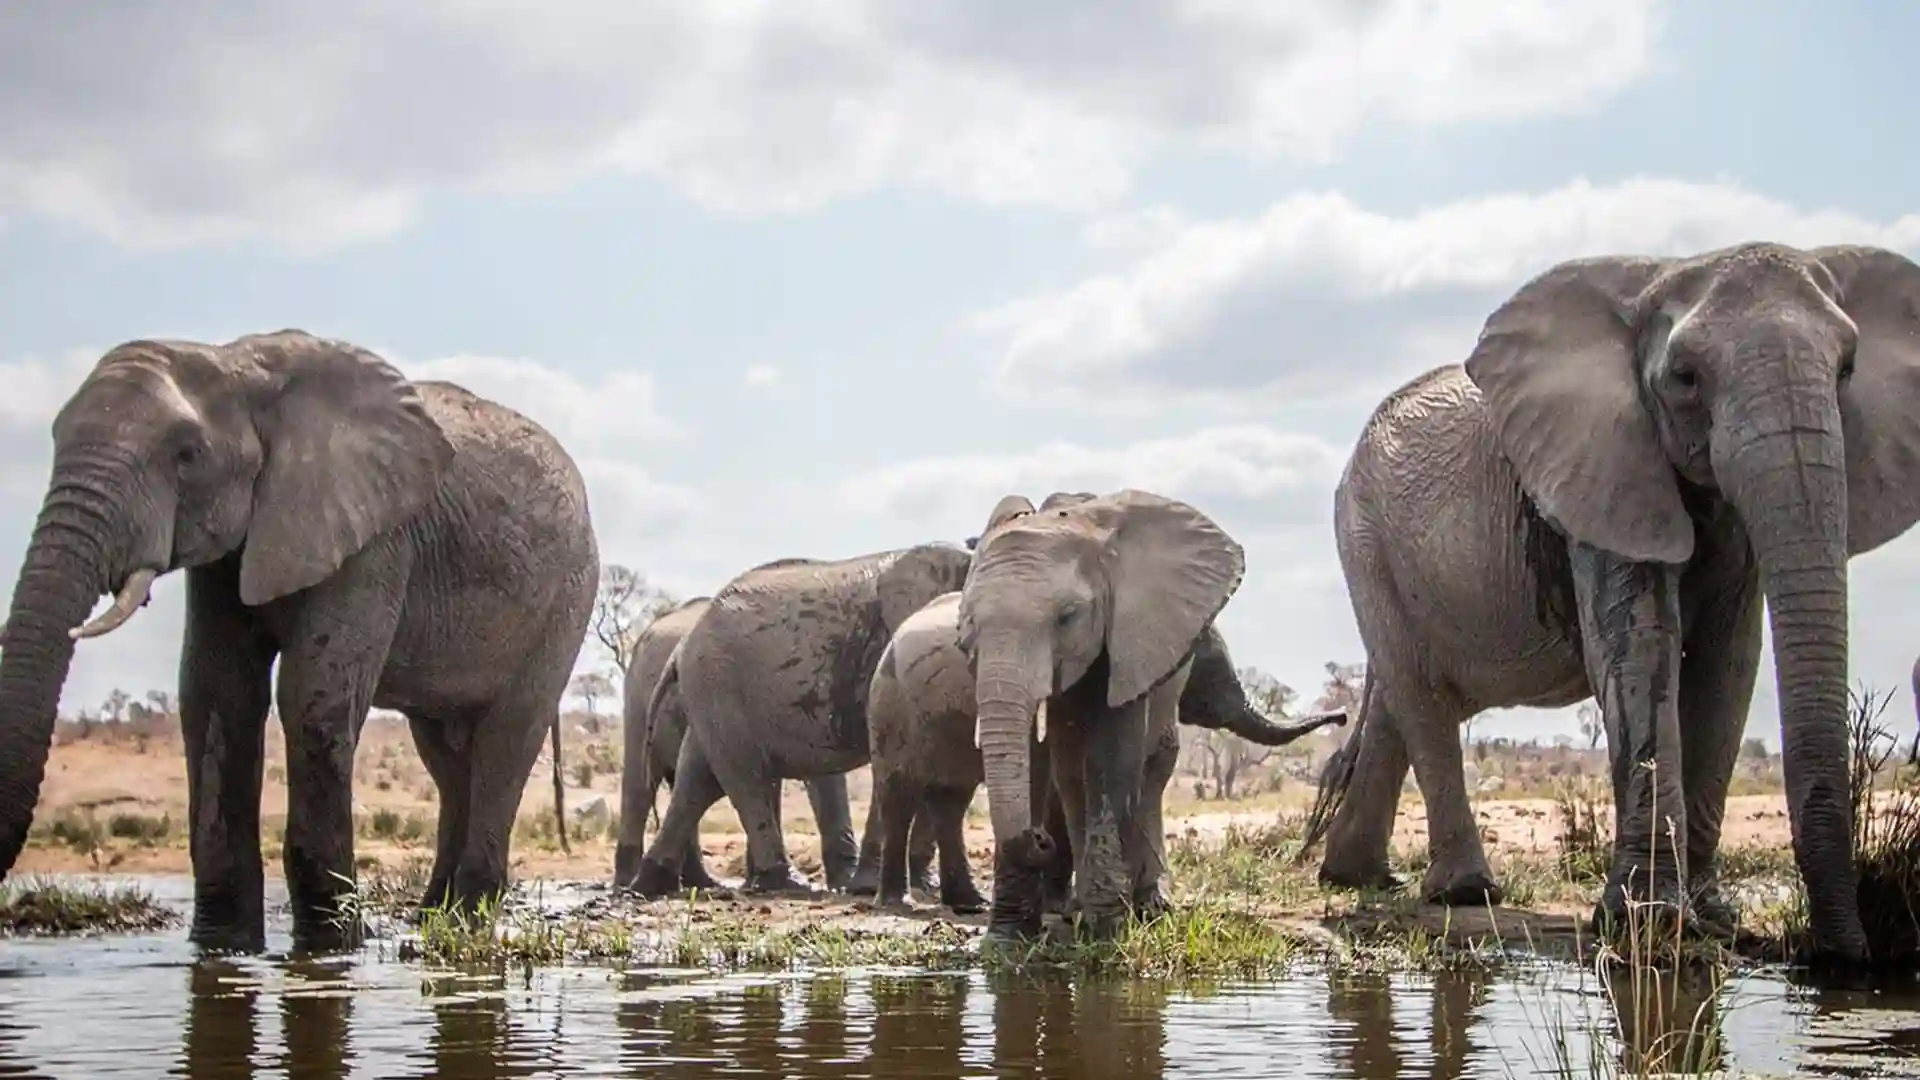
{"points": [[147, 1006]]}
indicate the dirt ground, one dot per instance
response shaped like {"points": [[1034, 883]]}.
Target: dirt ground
{"points": [[104, 777]]}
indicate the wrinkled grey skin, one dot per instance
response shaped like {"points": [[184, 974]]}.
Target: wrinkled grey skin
{"points": [[395, 544], [921, 719], [652, 649], [1093, 607], [1637, 453], [774, 679]]}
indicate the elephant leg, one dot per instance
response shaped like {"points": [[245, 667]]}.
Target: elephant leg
{"points": [[833, 817], [1147, 854], [1112, 761], [1630, 627], [1457, 872], [226, 689], [505, 744], [756, 799], [327, 681], [897, 800], [1717, 673], [447, 765], [947, 809], [866, 872], [1067, 790], [695, 790], [1360, 836], [922, 840]]}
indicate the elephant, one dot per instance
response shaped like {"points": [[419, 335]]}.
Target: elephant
{"points": [[1091, 607], [638, 786], [923, 726], [1635, 455], [773, 679], [405, 545]]}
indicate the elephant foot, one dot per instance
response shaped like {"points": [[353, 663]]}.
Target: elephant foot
{"points": [[210, 938], [1151, 903], [653, 880], [318, 935], [626, 863], [1102, 924], [1638, 916], [696, 877], [1369, 879], [1713, 913], [781, 881], [865, 881], [1473, 888], [963, 900]]}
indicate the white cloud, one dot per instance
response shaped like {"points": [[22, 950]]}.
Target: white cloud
{"points": [[1317, 291], [1288, 476], [762, 375], [319, 127], [618, 409], [610, 425]]}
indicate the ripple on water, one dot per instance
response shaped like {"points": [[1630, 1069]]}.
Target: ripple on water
{"points": [[145, 1006]]}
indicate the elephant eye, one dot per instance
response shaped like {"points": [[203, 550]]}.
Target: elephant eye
{"points": [[1686, 377], [187, 455], [1846, 366]]}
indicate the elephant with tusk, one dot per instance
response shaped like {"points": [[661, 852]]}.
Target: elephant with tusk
{"points": [[920, 712], [1640, 459], [387, 543], [1091, 605]]}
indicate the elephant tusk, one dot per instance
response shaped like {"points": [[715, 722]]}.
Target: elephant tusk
{"points": [[976, 730], [1040, 722], [132, 596]]}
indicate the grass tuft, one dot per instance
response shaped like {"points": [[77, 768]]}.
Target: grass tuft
{"points": [[45, 907]]}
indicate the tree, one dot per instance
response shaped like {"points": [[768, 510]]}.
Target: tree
{"points": [[115, 707], [1592, 724], [1228, 756], [590, 687], [1344, 685], [625, 604]]}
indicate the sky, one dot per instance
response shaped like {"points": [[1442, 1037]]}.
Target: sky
{"points": [[830, 277]]}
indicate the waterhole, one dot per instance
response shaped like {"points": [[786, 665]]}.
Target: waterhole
{"points": [[148, 1006]]}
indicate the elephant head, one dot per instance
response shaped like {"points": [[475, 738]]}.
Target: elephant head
{"points": [[1131, 577], [1786, 381], [290, 450]]}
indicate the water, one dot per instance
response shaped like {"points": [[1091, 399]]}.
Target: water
{"points": [[145, 1006]]}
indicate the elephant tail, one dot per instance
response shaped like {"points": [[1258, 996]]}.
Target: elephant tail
{"points": [[668, 682], [1337, 775]]}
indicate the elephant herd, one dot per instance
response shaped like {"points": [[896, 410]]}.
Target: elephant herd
{"points": [[1638, 458]]}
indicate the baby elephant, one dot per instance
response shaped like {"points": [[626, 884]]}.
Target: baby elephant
{"points": [[926, 758]]}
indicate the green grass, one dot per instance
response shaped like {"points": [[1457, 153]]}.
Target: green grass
{"points": [[48, 907]]}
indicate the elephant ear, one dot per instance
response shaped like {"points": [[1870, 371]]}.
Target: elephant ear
{"points": [[1880, 404], [1556, 364], [1066, 498], [349, 453], [1008, 508], [1171, 570]]}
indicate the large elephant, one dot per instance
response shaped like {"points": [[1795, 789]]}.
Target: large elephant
{"points": [[658, 745], [1091, 607], [396, 544], [1636, 454], [773, 679], [924, 730]]}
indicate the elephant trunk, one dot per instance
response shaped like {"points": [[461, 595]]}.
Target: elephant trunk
{"points": [[1784, 471], [67, 566], [1009, 693], [1216, 698]]}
